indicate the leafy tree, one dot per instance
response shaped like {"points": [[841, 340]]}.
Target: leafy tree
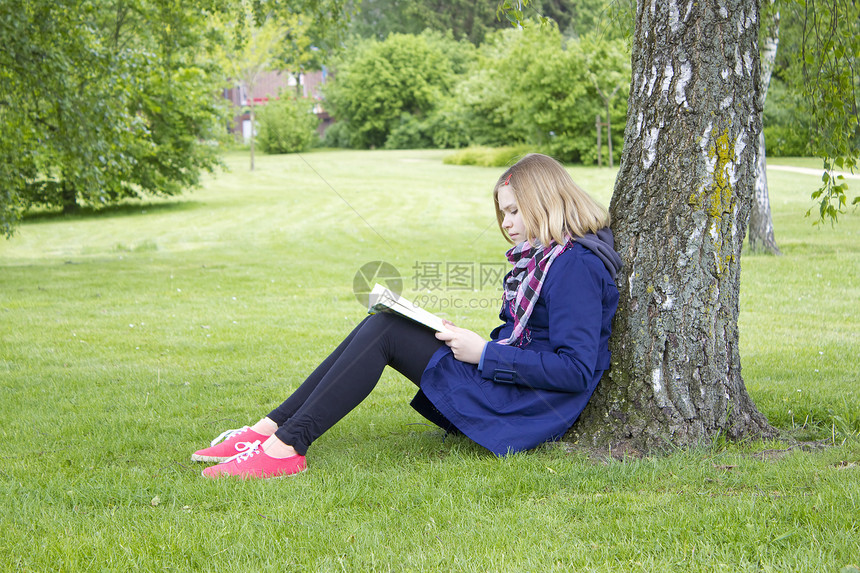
{"points": [[509, 95], [489, 100], [813, 99], [580, 18], [838, 139], [106, 99], [788, 125], [602, 77], [829, 80], [376, 82], [474, 21], [119, 108], [250, 46], [464, 19], [533, 86]]}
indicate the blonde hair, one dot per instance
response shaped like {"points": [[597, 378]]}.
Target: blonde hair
{"points": [[551, 204]]}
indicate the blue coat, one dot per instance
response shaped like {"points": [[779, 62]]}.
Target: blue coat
{"points": [[524, 396]]}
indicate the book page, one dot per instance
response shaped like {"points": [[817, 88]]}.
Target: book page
{"points": [[384, 300]]}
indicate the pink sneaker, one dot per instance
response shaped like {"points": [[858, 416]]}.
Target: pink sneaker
{"points": [[256, 464], [235, 442]]}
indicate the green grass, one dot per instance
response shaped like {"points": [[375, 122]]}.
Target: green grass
{"points": [[130, 338], [807, 162]]}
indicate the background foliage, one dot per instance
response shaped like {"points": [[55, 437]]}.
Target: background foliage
{"points": [[130, 104], [379, 81], [473, 21], [287, 125], [817, 64], [531, 86], [120, 107], [104, 100]]}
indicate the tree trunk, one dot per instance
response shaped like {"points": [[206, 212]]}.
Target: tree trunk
{"points": [[252, 132], [761, 222], [680, 210], [69, 197], [761, 236]]}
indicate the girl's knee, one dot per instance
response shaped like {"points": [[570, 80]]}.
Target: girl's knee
{"points": [[381, 321]]}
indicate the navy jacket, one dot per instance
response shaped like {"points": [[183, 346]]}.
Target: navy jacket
{"points": [[524, 396]]}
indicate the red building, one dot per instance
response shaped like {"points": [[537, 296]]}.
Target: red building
{"points": [[270, 86]]}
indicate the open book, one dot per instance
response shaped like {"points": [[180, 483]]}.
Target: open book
{"points": [[384, 300]]}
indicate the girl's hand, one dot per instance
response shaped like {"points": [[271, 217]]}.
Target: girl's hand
{"points": [[466, 345]]}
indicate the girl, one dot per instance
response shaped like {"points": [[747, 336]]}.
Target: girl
{"points": [[527, 385]]}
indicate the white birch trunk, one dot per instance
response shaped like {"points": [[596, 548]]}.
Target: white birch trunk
{"points": [[680, 211], [761, 237]]}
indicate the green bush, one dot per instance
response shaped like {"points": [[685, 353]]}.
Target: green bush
{"points": [[529, 87], [533, 87], [410, 133], [287, 125], [788, 130], [447, 128], [336, 135], [567, 97], [377, 83], [488, 102], [489, 156]]}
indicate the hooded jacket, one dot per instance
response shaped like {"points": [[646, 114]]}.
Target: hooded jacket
{"points": [[522, 396]]}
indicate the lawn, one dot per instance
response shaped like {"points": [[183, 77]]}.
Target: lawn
{"points": [[131, 337]]}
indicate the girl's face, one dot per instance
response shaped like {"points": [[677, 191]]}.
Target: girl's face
{"points": [[513, 221]]}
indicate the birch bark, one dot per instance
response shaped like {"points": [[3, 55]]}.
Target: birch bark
{"points": [[680, 210], [761, 237]]}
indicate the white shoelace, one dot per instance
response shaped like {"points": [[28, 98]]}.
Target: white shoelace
{"points": [[250, 449], [229, 434]]}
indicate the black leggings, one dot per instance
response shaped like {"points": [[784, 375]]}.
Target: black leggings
{"points": [[349, 373]]}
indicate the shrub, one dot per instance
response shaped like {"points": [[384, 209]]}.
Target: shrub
{"points": [[487, 101], [410, 133], [337, 135], [566, 97], [287, 125], [489, 156], [520, 87], [788, 129], [532, 87], [445, 128], [376, 83]]}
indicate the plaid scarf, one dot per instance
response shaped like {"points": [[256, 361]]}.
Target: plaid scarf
{"points": [[523, 284]]}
